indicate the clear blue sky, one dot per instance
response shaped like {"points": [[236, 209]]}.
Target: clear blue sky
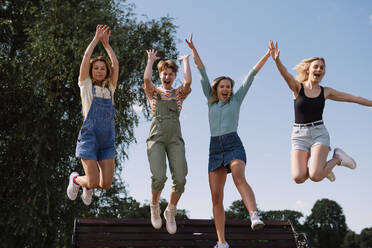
{"points": [[231, 36]]}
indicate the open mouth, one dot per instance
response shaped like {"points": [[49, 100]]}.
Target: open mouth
{"points": [[225, 95], [317, 75]]}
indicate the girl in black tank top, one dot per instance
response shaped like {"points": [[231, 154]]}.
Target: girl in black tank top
{"points": [[308, 109], [309, 135]]}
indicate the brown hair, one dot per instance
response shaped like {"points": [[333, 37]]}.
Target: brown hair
{"points": [[104, 59], [303, 67], [162, 65], [214, 86]]}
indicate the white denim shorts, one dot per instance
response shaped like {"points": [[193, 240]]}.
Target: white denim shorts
{"points": [[305, 137]]}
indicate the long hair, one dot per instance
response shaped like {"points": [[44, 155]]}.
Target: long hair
{"points": [[303, 67], [107, 62], [214, 86]]}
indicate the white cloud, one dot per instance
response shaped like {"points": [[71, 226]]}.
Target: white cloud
{"points": [[300, 204], [370, 18]]}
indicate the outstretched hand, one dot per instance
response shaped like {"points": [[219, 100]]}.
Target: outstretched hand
{"points": [[189, 42], [152, 55], [106, 36], [184, 57], [274, 50], [100, 30]]}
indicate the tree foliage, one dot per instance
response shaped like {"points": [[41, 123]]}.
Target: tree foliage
{"points": [[326, 225], [41, 46]]}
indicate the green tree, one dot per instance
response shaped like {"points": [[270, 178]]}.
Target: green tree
{"points": [[237, 211], [41, 46], [350, 240], [284, 215], [365, 238], [326, 225]]}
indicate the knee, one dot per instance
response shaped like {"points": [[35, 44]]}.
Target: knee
{"points": [[179, 185], [299, 179], [217, 198], [316, 177], [158, 183], [105, 185]]}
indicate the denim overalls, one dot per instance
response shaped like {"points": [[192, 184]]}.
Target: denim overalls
{"points": [[165, 138], [97, 135]]}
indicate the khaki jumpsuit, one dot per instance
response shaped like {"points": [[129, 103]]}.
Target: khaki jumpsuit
{"points": [[165, 138]]}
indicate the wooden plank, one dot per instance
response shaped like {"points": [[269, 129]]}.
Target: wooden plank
{"points": [[199, 222]]}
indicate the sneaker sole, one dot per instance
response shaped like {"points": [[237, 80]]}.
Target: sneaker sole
{"points": [[258, 226], [350, 166], [166, 225], [71, 185]]}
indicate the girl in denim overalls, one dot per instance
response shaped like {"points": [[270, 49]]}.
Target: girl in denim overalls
{"points": [[165, 138], [96, 142], [226, 151]]}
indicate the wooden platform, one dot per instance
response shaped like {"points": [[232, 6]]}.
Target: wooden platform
{"points": [[91, 232]]}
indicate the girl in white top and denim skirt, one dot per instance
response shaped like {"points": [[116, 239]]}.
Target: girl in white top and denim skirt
{"points": [[96, 142], [309, 135], [226, 151]]}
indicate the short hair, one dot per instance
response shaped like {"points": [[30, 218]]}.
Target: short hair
{"points": [[162, 65], [214, 86], [304, 66]]}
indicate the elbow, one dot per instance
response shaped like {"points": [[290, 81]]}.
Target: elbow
{"points": [[146, 80], [187, 83]]}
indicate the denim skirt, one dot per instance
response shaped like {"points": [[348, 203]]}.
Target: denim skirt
{"points": [[224, 149]]}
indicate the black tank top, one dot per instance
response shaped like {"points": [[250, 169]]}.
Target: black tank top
{"points": [[308, 109]]}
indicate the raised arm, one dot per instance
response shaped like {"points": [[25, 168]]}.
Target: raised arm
{"points": [[84, 67], [240, 94], [345, 97], [291, 81], [198, 62], [186, 72], [112, 56], [148, 71], [207, 90]]}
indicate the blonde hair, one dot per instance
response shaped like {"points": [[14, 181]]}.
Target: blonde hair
{"points": [[107, 62], [214, 86], [162, 65], [303, 68]]}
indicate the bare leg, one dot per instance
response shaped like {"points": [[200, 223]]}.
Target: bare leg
{"points": [[246, 192], [319, 167], [174, 198], [106, 167], [155, 197], [91, 178], [217, 179], [299, 170]]}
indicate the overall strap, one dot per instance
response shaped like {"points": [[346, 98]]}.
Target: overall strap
{"points": [[93, 91]]}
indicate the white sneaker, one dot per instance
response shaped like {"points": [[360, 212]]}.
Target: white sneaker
{"points": [[155, 216], [256, 223], [73, 188], [87, 196], [169, 215], [224, 245], [346, 160], [331, 177]]}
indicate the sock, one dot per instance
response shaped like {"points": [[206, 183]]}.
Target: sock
{"points": [[74, 180]]}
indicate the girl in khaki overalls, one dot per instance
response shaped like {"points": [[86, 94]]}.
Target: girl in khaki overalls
{"points": [[165, 138]]}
